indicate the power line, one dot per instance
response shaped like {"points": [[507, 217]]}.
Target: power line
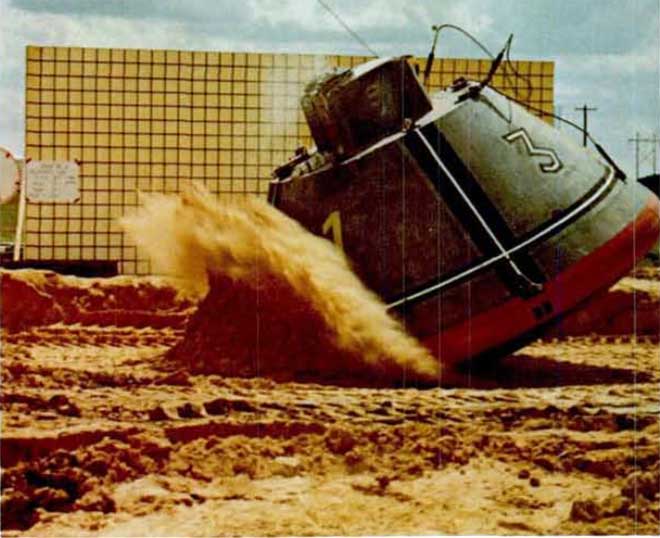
{"points": [[347, 27], [585, 111], [638, 141]]}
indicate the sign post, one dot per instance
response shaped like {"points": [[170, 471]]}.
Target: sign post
{"points": [[18, 240]]}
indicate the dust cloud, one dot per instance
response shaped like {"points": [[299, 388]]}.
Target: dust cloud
{"points": [[279, 301]]}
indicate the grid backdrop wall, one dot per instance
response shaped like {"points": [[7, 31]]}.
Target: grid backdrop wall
{"points": [[146, 119]]}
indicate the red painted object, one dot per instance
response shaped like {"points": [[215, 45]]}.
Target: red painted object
{"points": [[594, 273]]}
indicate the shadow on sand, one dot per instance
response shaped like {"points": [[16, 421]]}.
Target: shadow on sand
{"points": [[524, 371]]}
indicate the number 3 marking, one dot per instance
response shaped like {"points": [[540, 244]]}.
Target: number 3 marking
{"points": [[555, 164], [333, 224]]}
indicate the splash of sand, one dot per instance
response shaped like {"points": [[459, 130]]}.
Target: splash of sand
{"points": [[280, 301]]}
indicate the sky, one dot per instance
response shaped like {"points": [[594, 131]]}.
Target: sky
{"points": [[606, 52]]}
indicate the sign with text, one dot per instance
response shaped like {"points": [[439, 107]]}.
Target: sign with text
{"points": [[53, 181]]}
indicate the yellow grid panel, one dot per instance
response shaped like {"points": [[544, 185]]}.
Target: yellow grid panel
{"points": [[143, 120]]}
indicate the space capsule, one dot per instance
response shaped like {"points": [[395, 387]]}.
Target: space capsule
{"points": [[476, 222]]}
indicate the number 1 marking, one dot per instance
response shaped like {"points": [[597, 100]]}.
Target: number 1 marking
{"points": [[333, 224]]}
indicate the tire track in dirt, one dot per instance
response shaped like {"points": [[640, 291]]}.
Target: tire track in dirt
{"points": [[102, 435]]}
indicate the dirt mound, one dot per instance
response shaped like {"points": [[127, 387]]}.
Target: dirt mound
{"points": [[31, 298], [281, 302], [97, 440], [66, 481]]}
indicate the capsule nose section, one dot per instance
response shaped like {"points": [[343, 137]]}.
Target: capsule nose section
{"points": [[595, 272]]}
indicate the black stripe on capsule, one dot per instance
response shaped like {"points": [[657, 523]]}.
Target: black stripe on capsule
{"points": [[480, 201]]}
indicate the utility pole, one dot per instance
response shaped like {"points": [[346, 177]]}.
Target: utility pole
{"points": [[585, 111], [638, 141], [654, 155]]}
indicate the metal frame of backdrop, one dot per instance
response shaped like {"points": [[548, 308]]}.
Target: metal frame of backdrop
{"points": [[143, 120]]}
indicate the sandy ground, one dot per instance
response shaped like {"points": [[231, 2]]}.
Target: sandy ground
{"points": [[103, 435]]}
